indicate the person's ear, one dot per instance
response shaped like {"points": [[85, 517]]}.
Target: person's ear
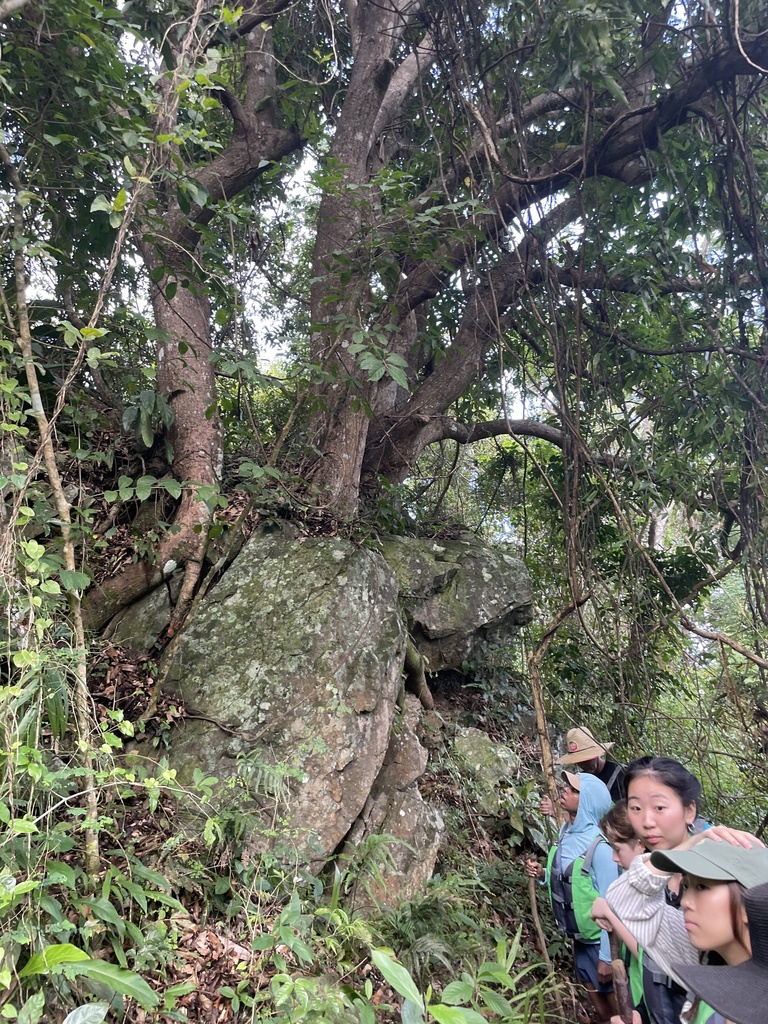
{"points": [[690, 815], [743, 932]]}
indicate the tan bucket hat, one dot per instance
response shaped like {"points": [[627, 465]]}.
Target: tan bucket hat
{"points": [[582, 746]]}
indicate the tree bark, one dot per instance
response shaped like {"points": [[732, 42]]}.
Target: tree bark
{"points": [[168, 238], [343, 306]]}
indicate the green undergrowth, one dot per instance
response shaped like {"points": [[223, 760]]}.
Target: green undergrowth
{"points": [[173, 927], [178, 929]]}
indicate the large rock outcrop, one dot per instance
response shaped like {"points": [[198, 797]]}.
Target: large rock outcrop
{"points": [[291, 674], [396, 809], [297, 654], [456, 593]]}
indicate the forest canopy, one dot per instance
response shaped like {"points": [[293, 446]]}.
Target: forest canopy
{"points": [[415, 261], [391, 266]]}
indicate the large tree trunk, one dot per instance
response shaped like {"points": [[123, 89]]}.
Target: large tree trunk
{"points": [[185, 373], [186, 379], [342, 307]]}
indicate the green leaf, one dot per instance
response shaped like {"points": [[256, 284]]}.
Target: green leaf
{"points": [[172, 486], [91, 1013], [410, 1013], [93, 356], [165, 899], [495, 973], [57, 872], [23, 659], [516, 820], [72, 580], [23, 826], [101, 203], [104, 911], [172, 994], [397, 976], [397, 375], [198, 192], [62, 953], [496, 1002], [467, 1015], [147, 432], [457, 992], [32, 1010], [22, 887], [144, 487], [124, 982], [135, 891], [447, 1014], [615, 90], [151, 876]]}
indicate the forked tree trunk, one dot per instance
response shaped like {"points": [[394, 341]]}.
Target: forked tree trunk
{"points": [[342, 303]]}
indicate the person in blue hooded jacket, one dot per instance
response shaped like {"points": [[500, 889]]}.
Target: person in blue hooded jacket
{"points": [[580, 867]]}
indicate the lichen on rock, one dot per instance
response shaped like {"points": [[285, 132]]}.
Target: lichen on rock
{"points": [[297, 653], [456, 593]]}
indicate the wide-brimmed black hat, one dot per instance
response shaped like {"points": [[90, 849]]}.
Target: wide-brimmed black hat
{"points": [[740, 992]]}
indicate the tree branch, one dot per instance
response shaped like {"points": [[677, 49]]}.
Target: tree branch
{"points": [[403, 80], [467, 433], [620, 153]]}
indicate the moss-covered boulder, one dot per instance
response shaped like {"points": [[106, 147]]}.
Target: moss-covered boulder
{"points": [[492, 769], [138, 626], [291, 667], [457, 593], [291, 674]]}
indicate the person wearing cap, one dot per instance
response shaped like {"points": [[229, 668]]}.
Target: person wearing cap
{"points": [[580, 867], [738, 992], [589, 755], [662, 807], [722, 917], [716, 880]]}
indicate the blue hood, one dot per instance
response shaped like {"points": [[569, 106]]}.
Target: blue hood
{"points": [[594, 802]]}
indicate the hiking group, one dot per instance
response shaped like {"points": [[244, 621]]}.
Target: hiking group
{"points": [[639, 879]]}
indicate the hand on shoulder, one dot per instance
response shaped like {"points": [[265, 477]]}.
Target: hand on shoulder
{"points": [[724, 834]]}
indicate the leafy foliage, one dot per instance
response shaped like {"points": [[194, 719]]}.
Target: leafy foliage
{"points": [[497, 267]]}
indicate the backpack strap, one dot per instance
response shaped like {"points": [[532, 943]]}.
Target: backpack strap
{"points": [[610, 782], [589, 854]]}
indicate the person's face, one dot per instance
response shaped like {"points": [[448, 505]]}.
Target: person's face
{"points": [[592, 766], [708, 920], [568, 798], [625, 853], [657, 814]]}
